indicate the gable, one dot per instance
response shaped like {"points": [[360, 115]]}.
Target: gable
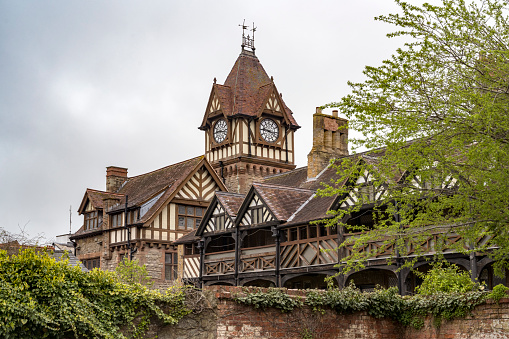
{"points": [[89, 206], [256, 213], [364, 191], [448, 182], [273, 104], [214, 104], [218, 105], [201, 186], [219, 220]]}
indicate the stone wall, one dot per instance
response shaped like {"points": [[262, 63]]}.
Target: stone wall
{"points": [[223, 318], [90, 247]]}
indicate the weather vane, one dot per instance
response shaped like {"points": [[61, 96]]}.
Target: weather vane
{"points": [[248, 41]]}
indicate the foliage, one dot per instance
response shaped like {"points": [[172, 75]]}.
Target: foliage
{"points": [[499, 292], [445, 278], [43, 298], [382, 303], [446, 90], [131, 272], [273, 297]]}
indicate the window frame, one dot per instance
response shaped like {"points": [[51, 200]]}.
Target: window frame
{"points": [[195, 217], [172, 266]]}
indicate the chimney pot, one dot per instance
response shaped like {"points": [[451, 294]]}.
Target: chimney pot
{"points": [[330, 140], [115, 177]]}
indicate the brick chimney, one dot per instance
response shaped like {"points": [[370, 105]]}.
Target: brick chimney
{"points": [[329, 141], [115, 177]]}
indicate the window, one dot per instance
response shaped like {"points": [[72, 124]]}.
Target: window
{"points": [[170, 266], [219, 222], [224, 242], [309, 232], [366, 219], [116, 220], [90, 264], [92, 220], [189, 217], [257, 215], [132, 217], [191, 249], [257, 238]]}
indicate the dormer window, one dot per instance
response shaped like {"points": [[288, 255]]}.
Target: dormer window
{"points": [[92, 220]]}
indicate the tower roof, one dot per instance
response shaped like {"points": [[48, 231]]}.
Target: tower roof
{"points": [[246, 89]]}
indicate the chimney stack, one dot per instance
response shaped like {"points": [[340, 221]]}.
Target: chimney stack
{"points": [[115, 177], [330, 140]]}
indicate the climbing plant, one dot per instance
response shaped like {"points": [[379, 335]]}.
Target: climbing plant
{"points": [[43, 298], [381, 303]]}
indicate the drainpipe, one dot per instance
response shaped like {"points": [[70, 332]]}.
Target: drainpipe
{"points": [[237, 254], [201, 247], [398, 256], [276, 234], [221, 164]]}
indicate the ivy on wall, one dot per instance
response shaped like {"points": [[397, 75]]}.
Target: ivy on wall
{"points": [[382, 303], [43, 298]]}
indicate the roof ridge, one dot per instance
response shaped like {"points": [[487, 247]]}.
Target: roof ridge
{"points": [[287, 172], [283, 186], [105, 192], [301, 207], [165, 167], [230, 193]]}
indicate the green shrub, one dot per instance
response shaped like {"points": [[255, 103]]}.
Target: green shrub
{"points": [[274, 297], [499, 292], [43, 298], [131, 272], [445, 278]]}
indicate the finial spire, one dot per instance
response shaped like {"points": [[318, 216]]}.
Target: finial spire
{"points": [[247, 41]]}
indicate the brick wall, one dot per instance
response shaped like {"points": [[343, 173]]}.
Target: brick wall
{"points": [[240, 321], [223, 318]]}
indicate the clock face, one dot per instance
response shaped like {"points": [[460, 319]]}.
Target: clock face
{"points": [[269, 130], [220, 130]]}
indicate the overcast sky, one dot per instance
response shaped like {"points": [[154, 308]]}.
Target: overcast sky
{"points": [[89, 84]]}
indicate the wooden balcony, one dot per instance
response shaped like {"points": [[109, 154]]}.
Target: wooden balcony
{"points": [[309, 252], [258, 259]]}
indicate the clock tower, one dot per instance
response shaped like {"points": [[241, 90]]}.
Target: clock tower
{"points": [[249, 130]]}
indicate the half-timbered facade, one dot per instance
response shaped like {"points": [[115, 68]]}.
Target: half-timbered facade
{"points": [[142, 216], [249, 130], [273, 237]]}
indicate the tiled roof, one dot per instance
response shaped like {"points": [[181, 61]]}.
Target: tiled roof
{"points": [[230, 201], [96, 198], [73, 261], [246, 88], [292, 178], [283, 201], [144, 187], [314, 209], [82, 233], [188, 238]]}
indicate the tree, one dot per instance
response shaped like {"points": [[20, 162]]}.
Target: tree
{"points": [[131, 272], [436, 116]]}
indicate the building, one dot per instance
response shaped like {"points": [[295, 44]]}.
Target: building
{"points": [[269, 236], [141, 216], [242, 214], [249, 134]]}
